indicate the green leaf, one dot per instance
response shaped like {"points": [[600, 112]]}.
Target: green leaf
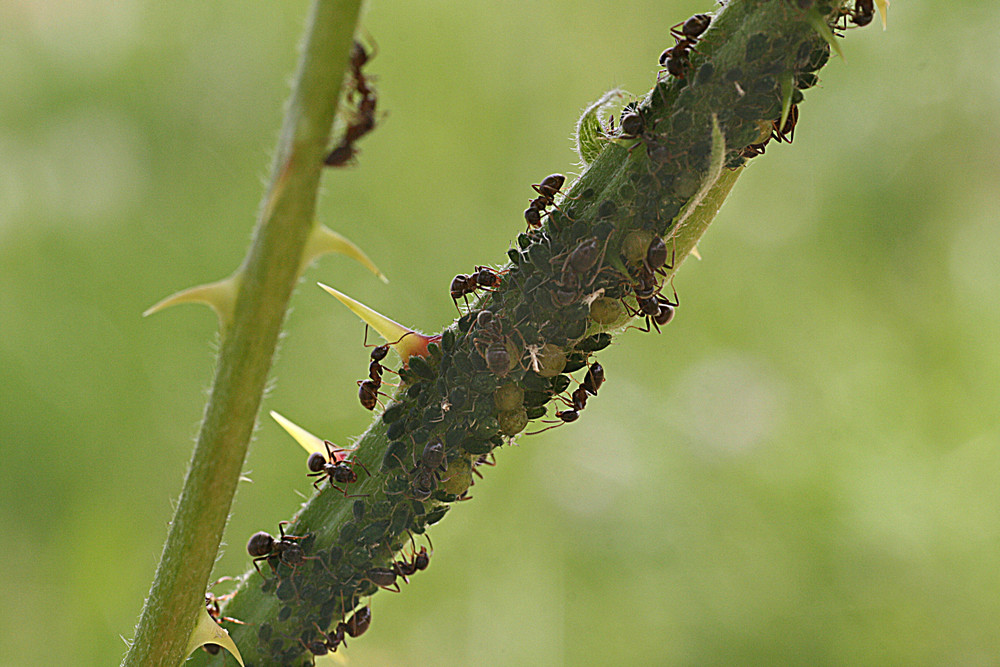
{"points": [[590, 138]]}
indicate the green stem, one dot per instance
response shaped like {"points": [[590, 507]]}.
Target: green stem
{"points": [[266, 278], [689, 157]]}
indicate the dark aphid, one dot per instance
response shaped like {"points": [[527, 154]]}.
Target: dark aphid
{"points": [[263, 546], [433, 455], [585, 255], [594, 378], [498, 359], [359, 622], [484, 319]]}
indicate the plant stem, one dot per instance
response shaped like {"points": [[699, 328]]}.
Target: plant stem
{"points": [[267, 277], [668, 183]]}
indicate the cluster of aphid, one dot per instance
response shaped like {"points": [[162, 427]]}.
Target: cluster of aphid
{"points": [[362, 96], [584, 264]]}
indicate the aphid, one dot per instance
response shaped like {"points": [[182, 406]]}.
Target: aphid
{"points": [[334, 467], [285, 549], [498, 358]]}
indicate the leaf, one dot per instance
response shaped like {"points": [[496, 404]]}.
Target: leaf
{"points": [[207, 631], [590, 139]]}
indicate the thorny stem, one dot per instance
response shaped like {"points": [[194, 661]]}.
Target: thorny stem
{"points": [[556, 299], [268, 275]]}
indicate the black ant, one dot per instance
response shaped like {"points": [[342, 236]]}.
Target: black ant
{"points": [[547, 191], [364, 115], [285, 549], [862, 14], [786, 132], [418, 562], [675, 59], [463, 285], [354, 627], [368, 390], [424, 476], [338, 470]]}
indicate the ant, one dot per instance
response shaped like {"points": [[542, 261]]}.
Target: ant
{"points": [[675, 59], [862, 14], [547, 191], [787, 132], [655, 308], [338, 470], [285, 549], [418, 562], [368, 389], [354, 627], [364, 116], [463, 285]]}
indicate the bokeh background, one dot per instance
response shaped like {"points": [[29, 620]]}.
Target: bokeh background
{"points": [[804, 468]]}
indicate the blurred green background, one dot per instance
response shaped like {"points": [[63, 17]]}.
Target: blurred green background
{"points": [[802, 469]]}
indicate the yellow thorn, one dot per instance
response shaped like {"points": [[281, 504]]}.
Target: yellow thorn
{"points": [[883, 11], [311, 443], [207, 631], [695, 253], [405, 341], [324, 240], [220, 296]]}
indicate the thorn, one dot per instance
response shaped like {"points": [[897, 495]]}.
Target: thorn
{"points": [[323, 240], [309, 442], [406, 342], [818, 24], [787, 87], [883, 11], [220, 296], [207, 631], [695, 253]]}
